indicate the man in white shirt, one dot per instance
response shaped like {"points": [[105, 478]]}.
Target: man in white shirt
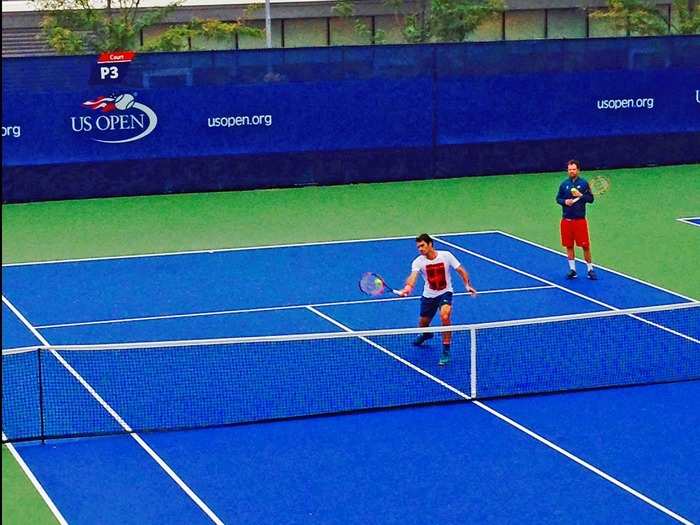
{"points": [[435, 266]]}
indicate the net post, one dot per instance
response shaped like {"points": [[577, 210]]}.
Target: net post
{"points": [[40, 377], [472, 337]]}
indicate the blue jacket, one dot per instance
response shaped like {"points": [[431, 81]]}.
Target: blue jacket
{"points": [[578, 210]]}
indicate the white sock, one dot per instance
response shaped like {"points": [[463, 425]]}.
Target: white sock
{"points": [[590, 266], [572, 264]]}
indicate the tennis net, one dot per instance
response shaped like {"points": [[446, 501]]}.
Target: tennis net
{"points": [[73, 391]]}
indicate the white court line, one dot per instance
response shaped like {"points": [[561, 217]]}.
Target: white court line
{"points": [[583, 463], [518, 426], [391, 354], [118, 418], [172, 344], [321, 243], [627, 276], [273, 308], [243, 248], [688, 220], [501, 416], [564, 289], [32, 478], [226, 312]]}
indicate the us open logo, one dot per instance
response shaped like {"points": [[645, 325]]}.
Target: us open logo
{"points": [[124, 120]]}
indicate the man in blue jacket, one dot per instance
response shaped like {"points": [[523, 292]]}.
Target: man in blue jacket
{"points": [[574, 194]]}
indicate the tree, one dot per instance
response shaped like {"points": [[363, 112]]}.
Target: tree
{"points": [[449, 20], [346, 9], [178, 37], [93, 26], [688, 17], [642, 17], [436, 20]]}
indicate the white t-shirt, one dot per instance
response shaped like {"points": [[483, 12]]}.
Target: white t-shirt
{"points": [[436, 272]]}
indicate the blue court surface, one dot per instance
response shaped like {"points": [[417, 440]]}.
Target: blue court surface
{"points": [[614, 455], [695, 221]]}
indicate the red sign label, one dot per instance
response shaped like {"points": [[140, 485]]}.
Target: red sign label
{"points": [[116, 57]]}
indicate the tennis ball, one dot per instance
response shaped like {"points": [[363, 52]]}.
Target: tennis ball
{"points": [[378, 282], [124, 101]]}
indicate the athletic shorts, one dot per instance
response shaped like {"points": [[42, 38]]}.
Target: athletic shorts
{"points": [[430, 305], [574, 230]]}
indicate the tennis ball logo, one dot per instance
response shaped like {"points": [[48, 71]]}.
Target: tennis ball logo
{"points": [[124, 101], [121, 119]]}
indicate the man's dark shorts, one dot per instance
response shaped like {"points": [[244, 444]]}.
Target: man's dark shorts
{"points": [[430, 305]]}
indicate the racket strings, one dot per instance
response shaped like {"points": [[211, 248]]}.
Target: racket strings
{"points": [[371, 283], [599, 185]]}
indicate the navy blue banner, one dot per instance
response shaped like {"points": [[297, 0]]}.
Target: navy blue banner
{"points": [[567, 105], [101, 125], [249, 119]]}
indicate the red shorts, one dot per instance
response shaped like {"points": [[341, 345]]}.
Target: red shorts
{"points": [[574, 230]]}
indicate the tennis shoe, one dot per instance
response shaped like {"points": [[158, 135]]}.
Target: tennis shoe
{"points": [[422, 338], [571, 275], [444, 358], [592, 275]]}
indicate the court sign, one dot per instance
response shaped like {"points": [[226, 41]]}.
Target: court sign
{"points": [[111, 67]]}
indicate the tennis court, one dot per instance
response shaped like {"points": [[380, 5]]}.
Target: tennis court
{"points": [[695, 221], [353, 428]]}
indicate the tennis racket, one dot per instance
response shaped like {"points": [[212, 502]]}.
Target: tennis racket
{"points": [[373, 284], [599, 185]]}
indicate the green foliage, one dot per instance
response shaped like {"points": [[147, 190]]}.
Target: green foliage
{"points": [[688, 17], [452, 20], [179, 37], [93, 26], [413, 29], [362, 30], [346, 9], [175, 38], [85, 26], [379, 36], [634, 17], [440, 21], [63, 40], [642, 17]]}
